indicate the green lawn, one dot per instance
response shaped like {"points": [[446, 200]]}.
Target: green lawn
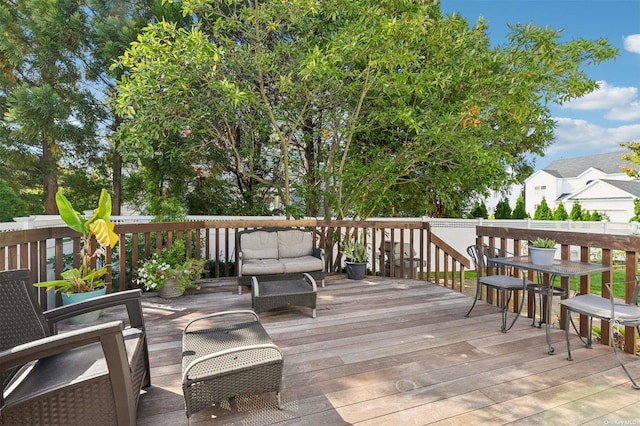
{"points": [[596, 279]]}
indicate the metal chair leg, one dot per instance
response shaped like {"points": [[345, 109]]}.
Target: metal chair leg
{"points": [[634, 385], [475, 299]]}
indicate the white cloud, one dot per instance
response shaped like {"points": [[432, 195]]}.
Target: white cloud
{"points": [[629, 112], [583, 136], [632, 43], [605, 97]]}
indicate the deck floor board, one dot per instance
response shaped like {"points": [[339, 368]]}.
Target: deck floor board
{"points": [[385, 351]]}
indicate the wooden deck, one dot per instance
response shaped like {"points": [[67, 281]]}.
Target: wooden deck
{"points": [[386, 351]]}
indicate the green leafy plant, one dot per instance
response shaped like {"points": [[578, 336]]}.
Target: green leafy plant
{"points": [[170, 263], [99, 228], [543, 243], [355, 250]]}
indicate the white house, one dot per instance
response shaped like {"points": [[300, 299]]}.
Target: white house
{"points": [[595, 181]]}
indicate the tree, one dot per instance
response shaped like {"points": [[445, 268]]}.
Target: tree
{"points": [[334, 103], [560, 213], [479, 210], [11, 205], [636, 210], [519, 211], [543, 212], [596, 216], [576, 211], [503, 209], [49, 116]]}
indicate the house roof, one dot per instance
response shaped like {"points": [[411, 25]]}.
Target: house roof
{"points": [[630, 186], [608, 163]]}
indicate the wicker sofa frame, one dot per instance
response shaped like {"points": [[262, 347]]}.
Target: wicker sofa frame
{"points": [[226, 354], [88, 375]]}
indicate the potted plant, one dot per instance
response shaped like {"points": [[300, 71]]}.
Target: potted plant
{"points": [[169, 271], [542, 251], [356, 258], [85, 282]]}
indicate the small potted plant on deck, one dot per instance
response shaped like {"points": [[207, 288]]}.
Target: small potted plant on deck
{"points": [[356, 258], [169, 271], [542, 251], [85, 282]]}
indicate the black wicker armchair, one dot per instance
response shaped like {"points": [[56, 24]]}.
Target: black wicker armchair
{"points": [[88, 376]]}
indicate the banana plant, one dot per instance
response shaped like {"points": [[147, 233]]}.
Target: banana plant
{"points": [[98, 226]]}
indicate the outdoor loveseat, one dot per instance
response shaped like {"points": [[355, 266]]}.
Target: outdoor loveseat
{"points": [[91, 375], [278, 251]]}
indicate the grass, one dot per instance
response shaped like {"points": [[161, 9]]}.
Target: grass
{"points": [[618, 277]]}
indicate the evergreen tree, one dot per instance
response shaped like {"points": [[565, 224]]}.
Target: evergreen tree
{"points": [[479, 210], [636, 210], [560, 213], [520, 212], [576, 211], [543, 212], [596, 216], [503, 209], [10, 204]]}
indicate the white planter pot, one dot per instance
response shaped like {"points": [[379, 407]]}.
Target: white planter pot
{"points": [[542, 256]]}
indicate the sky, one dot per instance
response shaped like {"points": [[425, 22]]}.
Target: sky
{"points": [[599, 121]]}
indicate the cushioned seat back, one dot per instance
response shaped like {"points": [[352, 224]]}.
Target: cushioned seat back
{"points": [[295, 243], [21, 318], [259, 245]]}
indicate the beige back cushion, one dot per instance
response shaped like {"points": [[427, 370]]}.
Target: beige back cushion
{"points": [[295, 243], [259, 245]]}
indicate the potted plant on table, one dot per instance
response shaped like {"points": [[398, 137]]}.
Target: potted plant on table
{"points": [[356, 255], [85, 282], [169, 271], [542, 251]]}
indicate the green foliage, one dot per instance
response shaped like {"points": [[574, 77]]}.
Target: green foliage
{"points": [[576, 211], [543, 243], [10, 204], [479, 210], [543, 212], [560, 213], [636, 210], [519, 211], [356, 107], [503, 210], [354, 250], [170, 263], [97, 227]]}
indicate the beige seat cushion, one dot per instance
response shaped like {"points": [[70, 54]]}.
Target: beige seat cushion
{"points": [[262, 267], [259, 245], [295, 243], [293, 265]]}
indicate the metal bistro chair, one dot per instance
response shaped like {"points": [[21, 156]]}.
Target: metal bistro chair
{"points": [[616, 311], [487, 275]]}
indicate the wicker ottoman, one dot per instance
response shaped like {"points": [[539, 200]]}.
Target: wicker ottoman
{"points": [[272, 292], [227, 354]]}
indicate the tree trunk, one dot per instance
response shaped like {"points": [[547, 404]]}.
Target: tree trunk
{"points": [[116, 203], [49, 178]]}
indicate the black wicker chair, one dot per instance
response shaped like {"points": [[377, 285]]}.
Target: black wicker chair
{"points": [[91, 375]]}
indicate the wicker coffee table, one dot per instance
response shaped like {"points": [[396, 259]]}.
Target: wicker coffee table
{"points": [[227, 354], [276, 292]]}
